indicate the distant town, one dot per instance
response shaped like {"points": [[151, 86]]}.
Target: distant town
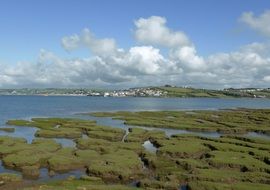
{"points": [[162, 91], [85, 92]]}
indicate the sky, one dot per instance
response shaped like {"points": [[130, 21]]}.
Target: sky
{"points": [[121, 44]]}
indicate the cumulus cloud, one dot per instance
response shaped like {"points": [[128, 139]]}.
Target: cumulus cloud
{"points": [[101, 47], [111, 66], [243, 67], [260, 23], [153, 30], [187, 58]]}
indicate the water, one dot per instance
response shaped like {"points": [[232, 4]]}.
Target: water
{"points": [[149, 147], [29, 134], [257, 135], [5, 170], [26, 107], [26, 132], [65, 142], [107, 121], [44, 175]]}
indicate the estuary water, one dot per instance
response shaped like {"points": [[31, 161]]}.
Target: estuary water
{"points": [[27, 107]]}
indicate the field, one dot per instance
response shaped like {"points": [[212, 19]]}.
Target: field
{"points": [[208, 93]]}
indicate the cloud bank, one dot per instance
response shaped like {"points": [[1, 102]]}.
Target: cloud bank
{"points": [[144, 64]]}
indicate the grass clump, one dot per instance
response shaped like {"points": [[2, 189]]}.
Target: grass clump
{"points": [[79, 184], [107, 133], [182, 148], [239, 160], [120, 165]]}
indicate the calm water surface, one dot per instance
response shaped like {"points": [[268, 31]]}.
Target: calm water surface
{"points": [[25, 107]]}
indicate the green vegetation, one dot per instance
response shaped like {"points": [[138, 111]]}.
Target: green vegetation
{"points": [[193, 92], [10, 181], [107, 133], [224, 121], [181, 149], [89, 183], [7, 129], [184, 92], [229, 162], [53, 127], [27, 158], [141, 135]]}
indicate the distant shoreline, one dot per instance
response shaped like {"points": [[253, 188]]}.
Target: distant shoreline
{"points": [[163, 97], [166, 91]]}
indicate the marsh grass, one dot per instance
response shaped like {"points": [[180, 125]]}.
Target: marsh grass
{"points": [[231, 162]]}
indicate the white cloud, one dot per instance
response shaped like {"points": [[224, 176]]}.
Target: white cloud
{"points": [[260, 23], [110, 66], [187, 57], [71, 42], [146, 59], [101, 47], [153, 31], [266, 78], [241, 68]]}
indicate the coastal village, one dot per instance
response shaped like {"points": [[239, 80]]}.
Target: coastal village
{"points": [[136, 92], [159, 91], [132, 92]]}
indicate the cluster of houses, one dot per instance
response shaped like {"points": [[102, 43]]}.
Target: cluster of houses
{"points": [[134, 92]]}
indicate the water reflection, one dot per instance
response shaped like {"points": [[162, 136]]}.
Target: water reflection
{"points": [[149, 147], [28, 133], [44, 175], [258, 135], [65, 142], [22, 132]]}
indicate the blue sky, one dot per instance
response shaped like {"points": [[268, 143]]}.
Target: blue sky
{"points": [[29, 25], [213, 26]]}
